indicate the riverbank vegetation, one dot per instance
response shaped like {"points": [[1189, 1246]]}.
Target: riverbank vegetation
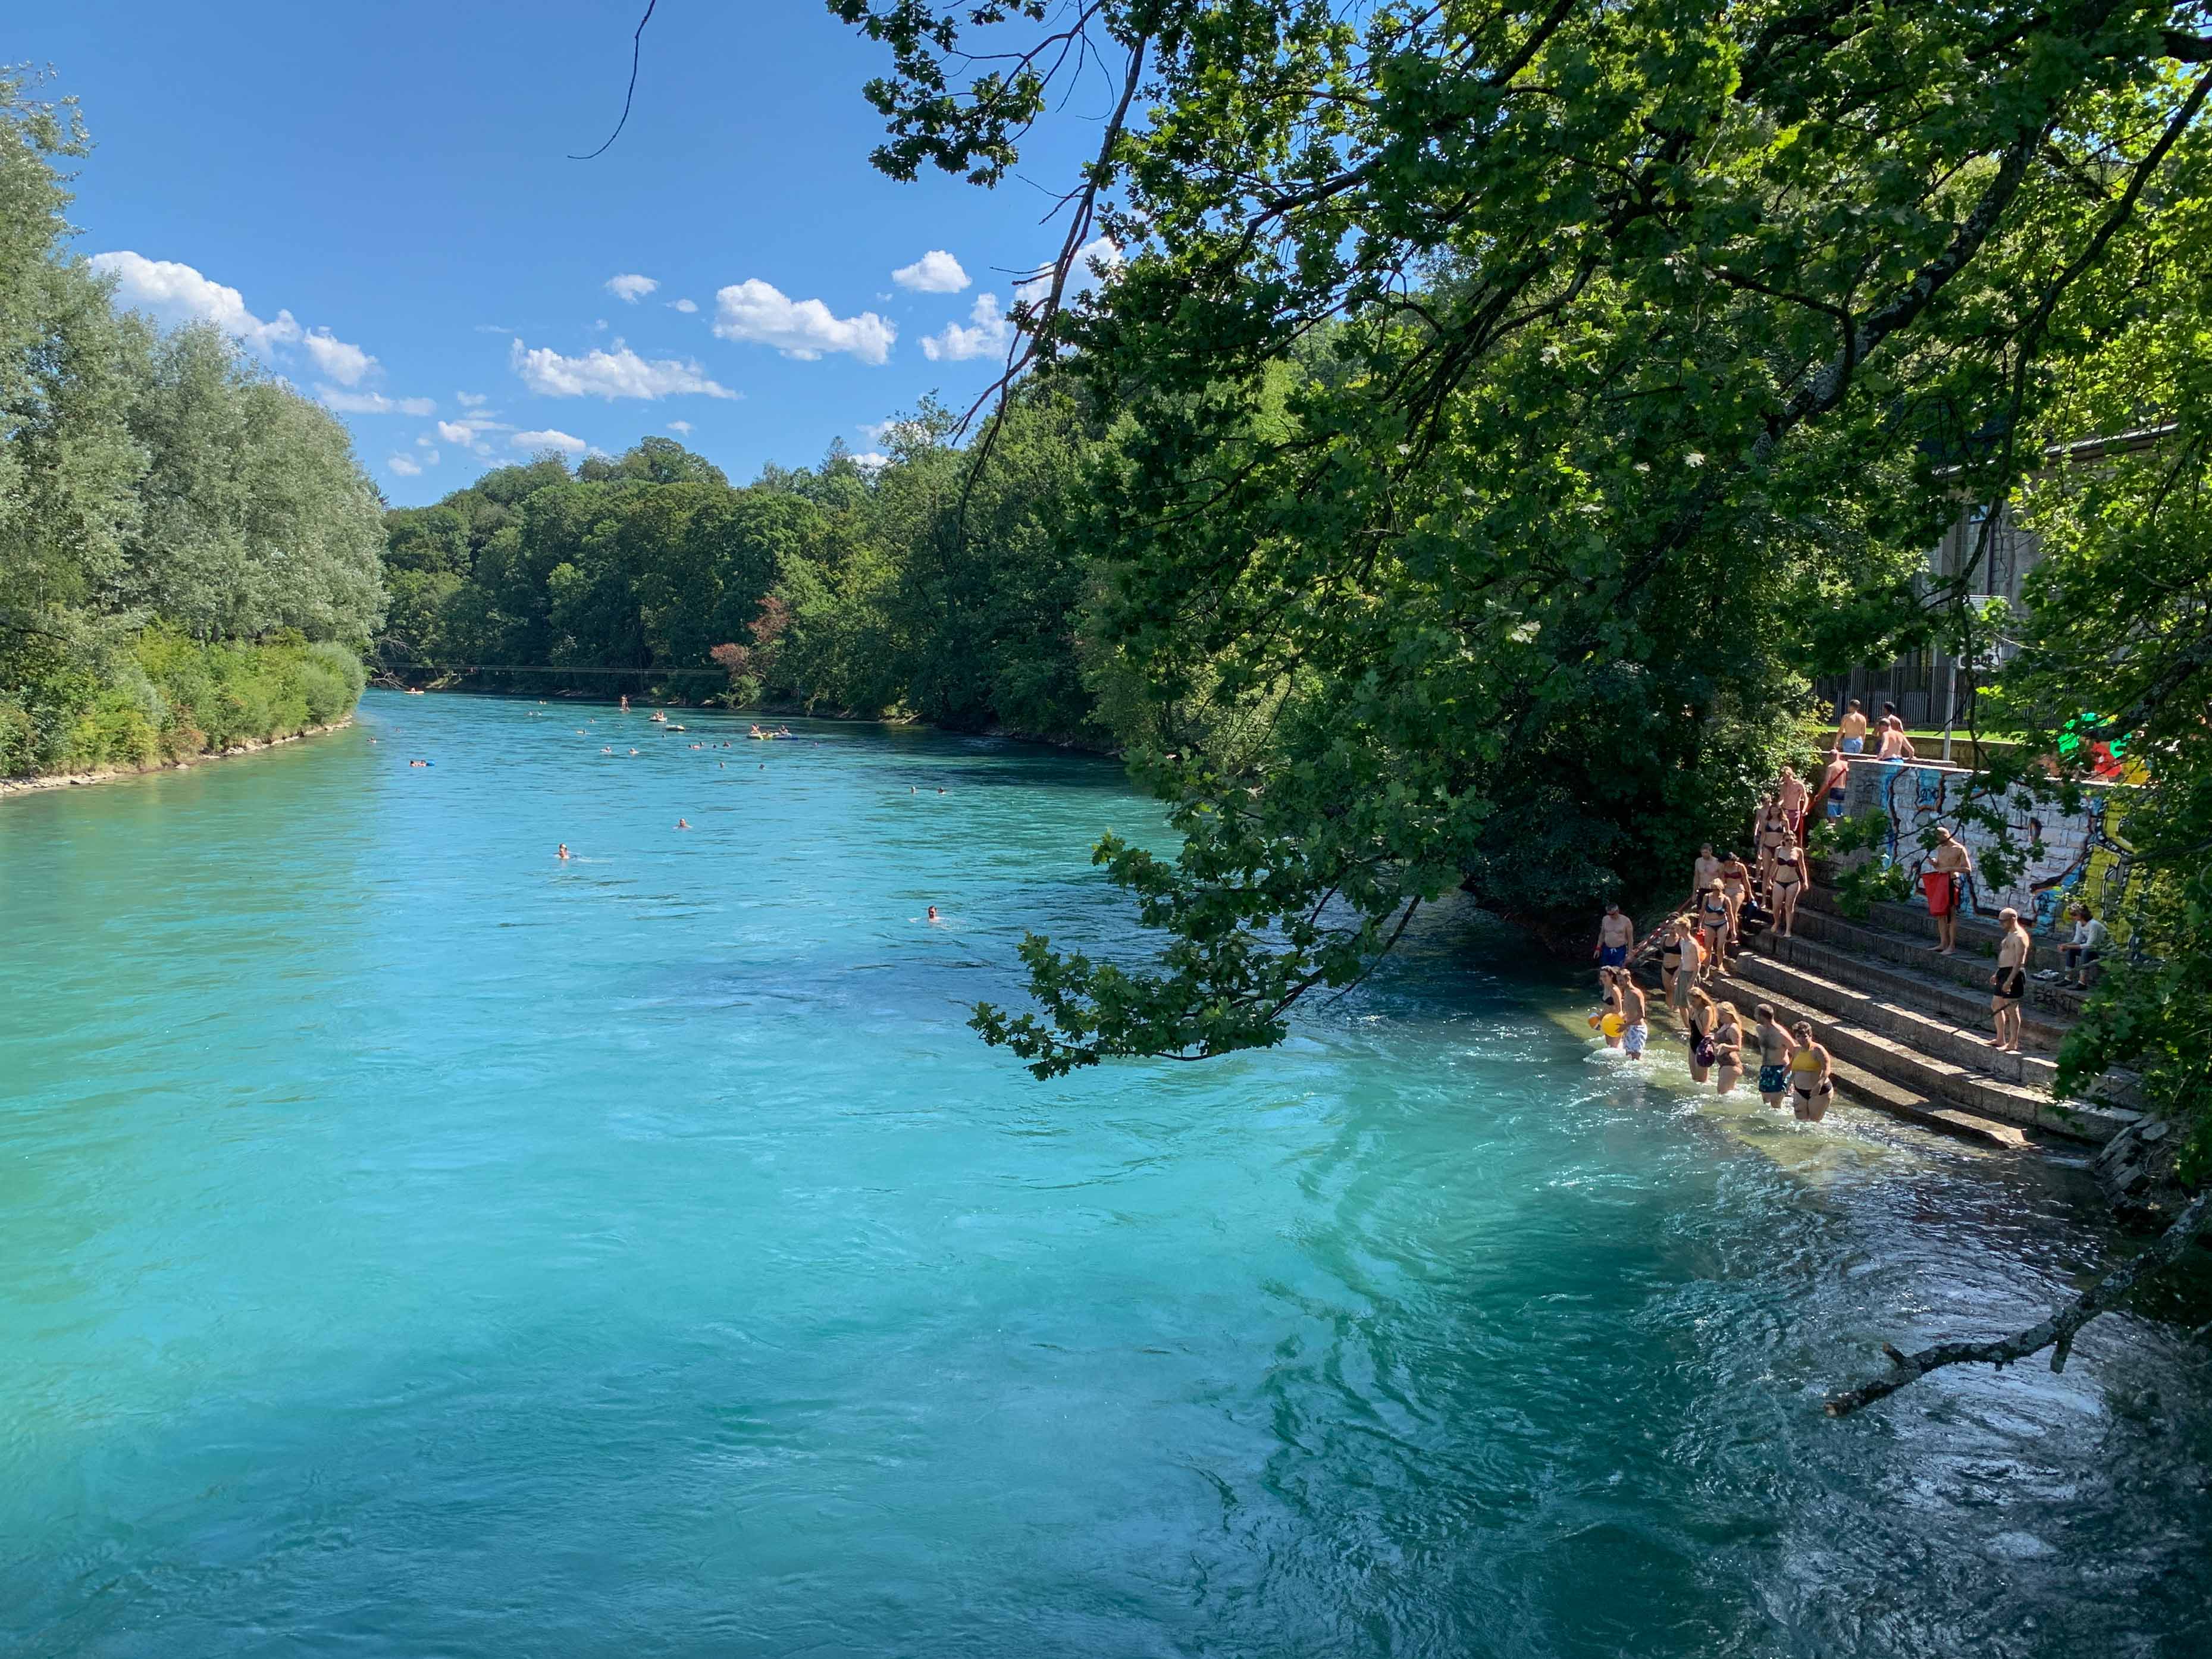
{"points": [[888, 589], [189, 552]]}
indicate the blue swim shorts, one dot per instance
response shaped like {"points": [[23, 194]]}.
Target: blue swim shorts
{"points": [[1853, 745], [1773, 1079], [1612, 955]]}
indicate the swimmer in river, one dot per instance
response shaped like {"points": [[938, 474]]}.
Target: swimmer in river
{"points": [[415, 763], [941, 789], [632, 752], [563, 852], [683, 824], [932, 913]]}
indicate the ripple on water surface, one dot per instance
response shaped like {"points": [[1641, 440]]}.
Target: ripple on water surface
{"points": [[419, 1245]]}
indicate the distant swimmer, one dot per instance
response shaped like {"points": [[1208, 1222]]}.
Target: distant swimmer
{"points": [[632, 752], [563, 852], [683, 824], [941, 788], [625, 703], [932, 913], [607, 749], [417, 763]]}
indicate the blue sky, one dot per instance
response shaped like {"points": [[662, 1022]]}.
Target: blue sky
{"points": [[390, 182]]}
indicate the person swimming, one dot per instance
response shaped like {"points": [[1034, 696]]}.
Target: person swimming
{"points": [[683, 824], [932, 913], [563, 852], [418, 762]]}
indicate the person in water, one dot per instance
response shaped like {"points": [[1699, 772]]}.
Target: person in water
{"points": [[1698, 1020], [683, 824], [1635, 1029], [932, 913], [1773, 1056], [563, 852], [1728, 1047], [1812, 1075], [1609, 1020], [1616, 936]]}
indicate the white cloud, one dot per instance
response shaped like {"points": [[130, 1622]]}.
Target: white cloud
{"points": [[470, 399], [176, 293], [892, 431], [346, 364], [935, 272], [987, 338], [534, 442], [683, 427], [1096, 257], [405, 467], [372, 403], [872, 462], [687, 306], [805, 328], [631, 289], [457, 432], [618, 373]]}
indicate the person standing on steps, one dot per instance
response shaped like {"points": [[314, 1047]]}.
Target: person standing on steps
{"points": [[1792, 792], [1616, 937], [1707, 867], [1788, 885], [1852, 729], [1944, 883], [1769, 832], [1670, 959], [1773, 1056], [1735, 882], [1836, 783], [1714, 917], [2009, 983]]}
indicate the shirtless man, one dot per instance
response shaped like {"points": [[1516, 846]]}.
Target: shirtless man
{"points": [[1896, 747], [1773, 1055], [2009, 983], [1851, 730], [1707, 867], [1836, 783], [1634, 1030], [563, 852], [1616, 937], [1792, 791], [1944, 883]]}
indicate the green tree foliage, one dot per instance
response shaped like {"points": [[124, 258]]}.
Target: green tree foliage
{"points": [[1648, 349], [893, 590], [175, 527]]}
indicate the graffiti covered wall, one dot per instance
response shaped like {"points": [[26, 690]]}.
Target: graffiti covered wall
{"points": [[2083, 855]]}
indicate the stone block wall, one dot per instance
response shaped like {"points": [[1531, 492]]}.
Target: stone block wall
{"points": [[2084, 855]]}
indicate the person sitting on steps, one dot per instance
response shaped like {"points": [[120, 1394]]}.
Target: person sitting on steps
{"points": [[2082, 952]]}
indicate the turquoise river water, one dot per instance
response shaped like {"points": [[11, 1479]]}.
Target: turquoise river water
{"points": [[417, 1246]]}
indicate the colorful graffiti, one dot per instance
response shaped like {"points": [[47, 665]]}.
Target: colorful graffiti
{"points": [[2062, 856]]}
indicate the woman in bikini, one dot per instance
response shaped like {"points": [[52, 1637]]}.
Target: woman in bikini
{"points": [[1728, 1047], [1700, 1019], [1735, 882], [1606, 1021], [1773, 832], [1670, 961], [1787, 884], [1716, 915], [1812, 1075]]}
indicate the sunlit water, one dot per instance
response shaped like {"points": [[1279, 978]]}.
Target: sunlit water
{"points": [[417, 1246]]}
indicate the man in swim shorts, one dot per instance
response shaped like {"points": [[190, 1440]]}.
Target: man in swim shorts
{"points": [[1792, 792], [2009, 983], [1635, 1031], [1616, 935], [1851, 730], [1944, 883], [1836, 782], [1773, 1057]]}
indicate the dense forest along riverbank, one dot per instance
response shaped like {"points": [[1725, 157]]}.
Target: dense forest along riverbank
{"points": [[418, 1243]]}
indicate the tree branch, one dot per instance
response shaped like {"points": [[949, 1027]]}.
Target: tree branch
{"points": [[636, 46], [2055, 1333]]}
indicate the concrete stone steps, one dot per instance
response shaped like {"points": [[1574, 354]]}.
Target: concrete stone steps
{"points": [[1944, 1084], [1942, 999], [1901, 934]]}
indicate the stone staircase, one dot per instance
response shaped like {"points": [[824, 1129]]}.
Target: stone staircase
{"points": [[1910, 1030]]}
